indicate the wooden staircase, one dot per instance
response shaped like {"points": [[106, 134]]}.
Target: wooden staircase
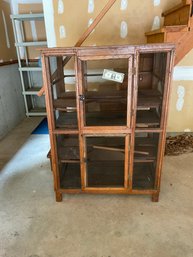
{"points": [[177, 28]]}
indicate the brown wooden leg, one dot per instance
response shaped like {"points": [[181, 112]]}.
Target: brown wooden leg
{"points": [[155, 197], [58, 196]]}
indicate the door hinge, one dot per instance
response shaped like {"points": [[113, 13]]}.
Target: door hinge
{"points": [[81, 97]]}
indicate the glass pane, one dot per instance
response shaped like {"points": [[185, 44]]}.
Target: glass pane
{"points": [[69, 161], [105, 161], [143, 176], [105, 92], [68, 148], [70, 176], [63, 92], [152, 68], [145, 160]]}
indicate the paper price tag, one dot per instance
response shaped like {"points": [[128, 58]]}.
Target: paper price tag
{"points": [[113, 76]]}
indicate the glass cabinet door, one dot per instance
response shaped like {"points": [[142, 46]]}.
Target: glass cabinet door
{"points": [[105, 161], [63, 92], [151, 89], [105, 89]]}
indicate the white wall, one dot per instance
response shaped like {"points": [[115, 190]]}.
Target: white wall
{"points": [[12, 109]]}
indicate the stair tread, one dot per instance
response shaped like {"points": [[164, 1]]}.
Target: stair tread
{"points": [[156, 31], [178, 28], [173, 28], [175, 8]]}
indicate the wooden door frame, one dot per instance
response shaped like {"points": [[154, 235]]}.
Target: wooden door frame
{"points": [[85, 131]]}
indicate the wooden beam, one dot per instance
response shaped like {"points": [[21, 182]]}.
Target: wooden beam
{"points": [[86, 34], [95, 22]]}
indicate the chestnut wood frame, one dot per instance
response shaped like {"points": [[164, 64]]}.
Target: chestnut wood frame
{"points": [[100, 53]]}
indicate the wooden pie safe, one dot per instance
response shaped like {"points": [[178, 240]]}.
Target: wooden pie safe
{"points": [[106, 136]]}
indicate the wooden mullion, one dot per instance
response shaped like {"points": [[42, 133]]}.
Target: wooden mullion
{"points": [[129, 91], [133, 119], [84, 88], [78, 92], [81, 119], [129, 116], [81, 90], [85, 75], [83, 167]]}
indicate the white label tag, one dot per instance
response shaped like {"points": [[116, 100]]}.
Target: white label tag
{"points": [[113, 76]]}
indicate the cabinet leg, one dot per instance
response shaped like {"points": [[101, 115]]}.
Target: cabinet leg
{"points": [[58, 196], [155, 197]]}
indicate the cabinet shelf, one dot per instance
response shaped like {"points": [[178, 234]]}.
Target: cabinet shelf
{"points": [[33, 43], [146, 151], [26, 17], [144, 119], [68, 154], [64, 105], [32, 91], [148, 99], [71, 154], [68, 151], [148, 146], [67, 120], [147, 118], [29, 68]]}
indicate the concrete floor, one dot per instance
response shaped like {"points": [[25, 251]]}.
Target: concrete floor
{"points": [[32, 224]]}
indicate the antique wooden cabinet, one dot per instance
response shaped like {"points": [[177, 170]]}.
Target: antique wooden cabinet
{"points": [[107, 111]]}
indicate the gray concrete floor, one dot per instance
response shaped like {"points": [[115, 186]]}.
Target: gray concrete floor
{"points": [[32, 224]]}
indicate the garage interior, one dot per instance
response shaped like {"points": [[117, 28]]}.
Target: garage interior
{"points": [[38, 217]]}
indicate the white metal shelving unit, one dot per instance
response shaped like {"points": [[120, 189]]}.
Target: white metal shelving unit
{"points": [[27, 67]]}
